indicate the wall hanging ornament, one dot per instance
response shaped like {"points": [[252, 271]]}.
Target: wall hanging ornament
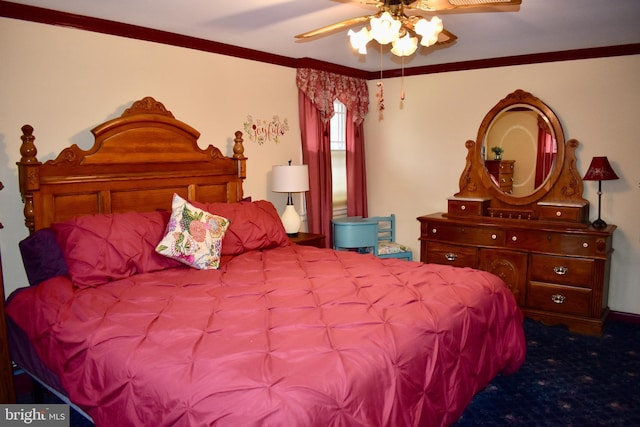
{"points": [[261, 130]]}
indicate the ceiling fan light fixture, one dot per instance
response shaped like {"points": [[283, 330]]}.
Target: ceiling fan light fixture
{"points": [[429, 30], [385, 29], [359, 39], [405, 46]]}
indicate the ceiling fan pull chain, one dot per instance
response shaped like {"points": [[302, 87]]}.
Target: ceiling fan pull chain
{"points": [[402, 82], [380, 93]]}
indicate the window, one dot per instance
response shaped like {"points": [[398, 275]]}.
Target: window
{"points": [[338, 159]]}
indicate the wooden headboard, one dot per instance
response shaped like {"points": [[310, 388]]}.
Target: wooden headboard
{"points": [[137, 162]]}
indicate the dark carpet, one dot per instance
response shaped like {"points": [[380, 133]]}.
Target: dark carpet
{"points": [[567, 380]]}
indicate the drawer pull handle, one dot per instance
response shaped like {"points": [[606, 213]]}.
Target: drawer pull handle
{"points": [[558, 299], [450, 256], [559, 213], [560, 270], [514, 238], [494, 237], [463, 207], [585, 245], [434, 230]]}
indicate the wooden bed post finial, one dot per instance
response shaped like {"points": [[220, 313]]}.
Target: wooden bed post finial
{"points": [[28, 148], [238, 154], [28, 174], [238, 148]]}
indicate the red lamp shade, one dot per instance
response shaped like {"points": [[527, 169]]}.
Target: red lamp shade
{"points": [[600, 170]]}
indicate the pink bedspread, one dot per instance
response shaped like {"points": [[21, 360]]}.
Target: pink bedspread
{"points": [[292, 336]]}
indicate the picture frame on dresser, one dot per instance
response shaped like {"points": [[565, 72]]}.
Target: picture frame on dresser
{"points": [[535, 235]]}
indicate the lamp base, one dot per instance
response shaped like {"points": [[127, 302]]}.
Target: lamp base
{"points": [[291, 220], [599, 224]]}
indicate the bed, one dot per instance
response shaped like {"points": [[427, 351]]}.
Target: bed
{"points": [[159, 295]]}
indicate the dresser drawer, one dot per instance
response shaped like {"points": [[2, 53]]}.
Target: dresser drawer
{"points": [[483, 236], [559, 243], [559, 298], [467, 207], [568, 271], [458, 256], [563, 213]]}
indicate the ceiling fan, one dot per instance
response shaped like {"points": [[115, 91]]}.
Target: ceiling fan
{"points": [[392, 12]]}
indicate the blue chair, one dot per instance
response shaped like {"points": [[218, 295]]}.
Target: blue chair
{"points": [[355, 233], [387, 246]]}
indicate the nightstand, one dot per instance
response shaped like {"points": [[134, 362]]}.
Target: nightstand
{"points": [[308, 239]]}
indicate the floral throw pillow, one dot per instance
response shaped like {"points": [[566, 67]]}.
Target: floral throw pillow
{"points": [[193, 236]]}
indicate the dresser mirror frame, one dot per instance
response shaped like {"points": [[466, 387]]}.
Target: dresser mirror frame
{"points": [[522, 101], [561, 188]]}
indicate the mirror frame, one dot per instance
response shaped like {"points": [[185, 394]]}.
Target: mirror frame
{"points": [[525, 99], [557, 199]]}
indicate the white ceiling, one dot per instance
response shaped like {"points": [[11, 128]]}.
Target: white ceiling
{"points": [[537, 26]]}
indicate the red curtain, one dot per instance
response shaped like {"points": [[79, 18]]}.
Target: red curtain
{"points": [[316, 153], [547, 150], [317, 91], [356, 171]]}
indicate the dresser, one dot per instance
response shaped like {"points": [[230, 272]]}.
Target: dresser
{"points": [[7, 393], [502, 173], [541, 244], [558, 275]]}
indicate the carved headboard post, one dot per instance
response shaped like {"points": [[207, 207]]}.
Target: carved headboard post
{"points": [[28, 175], [238, 154]]}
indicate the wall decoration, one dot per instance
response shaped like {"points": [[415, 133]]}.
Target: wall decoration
{"points": [[261, 130]]}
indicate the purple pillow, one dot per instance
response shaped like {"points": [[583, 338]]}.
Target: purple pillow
{"points": [[42, 257]]}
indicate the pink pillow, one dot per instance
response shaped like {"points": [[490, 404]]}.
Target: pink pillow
{"points": [[254, 225], [106, 247]]}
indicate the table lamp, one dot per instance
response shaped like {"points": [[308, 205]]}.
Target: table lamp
{"points": [[290, 179], [599, 170]]}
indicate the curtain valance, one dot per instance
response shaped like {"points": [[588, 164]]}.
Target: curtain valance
{"points": [[323, 87]]}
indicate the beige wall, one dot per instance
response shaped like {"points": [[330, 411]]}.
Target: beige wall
{"points": [[416, 153], [64, 82]]}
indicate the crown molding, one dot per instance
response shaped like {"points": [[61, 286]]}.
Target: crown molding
{"points": [[64, 19]]}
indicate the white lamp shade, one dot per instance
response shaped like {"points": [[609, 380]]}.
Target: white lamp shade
{"points": [[290, 179]]}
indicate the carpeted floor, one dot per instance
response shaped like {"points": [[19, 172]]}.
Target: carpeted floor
{"points": [[567, 380]]}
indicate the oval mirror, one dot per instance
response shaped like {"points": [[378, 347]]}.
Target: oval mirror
{"points": [[521, 145]]}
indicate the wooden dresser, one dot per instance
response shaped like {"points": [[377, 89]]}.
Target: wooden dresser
{"points": [[558, 274], [502, 172], [541, 243], [7, 393]]}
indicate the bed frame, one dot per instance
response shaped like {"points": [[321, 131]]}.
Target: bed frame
{"points": [[137, 162]]}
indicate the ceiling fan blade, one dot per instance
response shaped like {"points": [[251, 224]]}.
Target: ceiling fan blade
{"points": [[446, 37], [482, 3], [438, 5], [333, 27]]}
